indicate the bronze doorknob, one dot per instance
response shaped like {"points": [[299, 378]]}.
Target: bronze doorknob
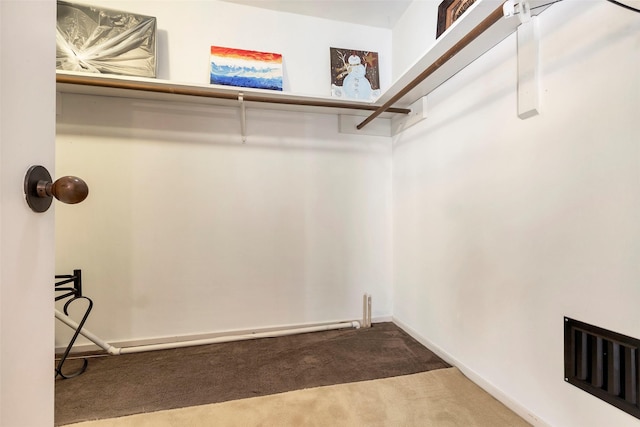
{"points": [[39, 190]]}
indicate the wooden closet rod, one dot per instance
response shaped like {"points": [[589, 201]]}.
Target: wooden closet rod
{"points": [[212, 93], [494, 17]]}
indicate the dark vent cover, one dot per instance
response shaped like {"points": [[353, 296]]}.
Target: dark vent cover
{"points": [[603, 363]]}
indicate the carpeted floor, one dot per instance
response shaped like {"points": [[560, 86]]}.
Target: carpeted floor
{"points": [[116, 386], [438, 398]]}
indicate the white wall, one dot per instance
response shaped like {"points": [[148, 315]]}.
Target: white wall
{"points": [[188, 231], [187, 30], [503, 226], [413, 35]]}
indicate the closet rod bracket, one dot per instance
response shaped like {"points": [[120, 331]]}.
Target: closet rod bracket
{"points": [[522, 8], [243, 117]]}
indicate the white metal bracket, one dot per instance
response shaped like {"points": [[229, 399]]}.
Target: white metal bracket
{"points": [[522, 9], [243, 118], [528, 69], [528, 57]]}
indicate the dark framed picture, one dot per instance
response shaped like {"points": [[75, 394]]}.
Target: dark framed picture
{"points": [[449, 11], [354, 74]]}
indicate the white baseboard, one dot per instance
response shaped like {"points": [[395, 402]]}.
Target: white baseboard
{"points": [[381, 319], [487, 386]]}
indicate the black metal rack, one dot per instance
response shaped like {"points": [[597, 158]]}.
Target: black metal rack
{"points": [[74, 291]]}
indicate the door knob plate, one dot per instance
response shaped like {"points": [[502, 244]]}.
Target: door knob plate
{"points": [[37, 201]]}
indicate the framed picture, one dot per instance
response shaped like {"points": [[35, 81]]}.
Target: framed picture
{"points": [[245, 68], [99, 40], [449, 11], [354, 74]]}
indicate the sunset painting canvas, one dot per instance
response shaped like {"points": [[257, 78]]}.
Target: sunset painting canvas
{"points": [[245, 68]]}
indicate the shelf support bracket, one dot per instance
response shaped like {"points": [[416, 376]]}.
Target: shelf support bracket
{"points": [[528, 66], [418, 113], [243, 118]]}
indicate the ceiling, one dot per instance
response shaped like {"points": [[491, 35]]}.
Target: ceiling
{"points": [[375, 13]]}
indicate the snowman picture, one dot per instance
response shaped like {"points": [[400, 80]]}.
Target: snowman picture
{"points": [[354, 74]]}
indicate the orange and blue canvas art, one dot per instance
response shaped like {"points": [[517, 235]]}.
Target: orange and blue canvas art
{"points": [[245, 68]]}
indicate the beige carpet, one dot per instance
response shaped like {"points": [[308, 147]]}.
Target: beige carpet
{"points": [[439, 398]]}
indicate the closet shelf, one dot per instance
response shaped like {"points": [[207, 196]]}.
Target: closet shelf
{"points": [[164, 90], [395, 102]]}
